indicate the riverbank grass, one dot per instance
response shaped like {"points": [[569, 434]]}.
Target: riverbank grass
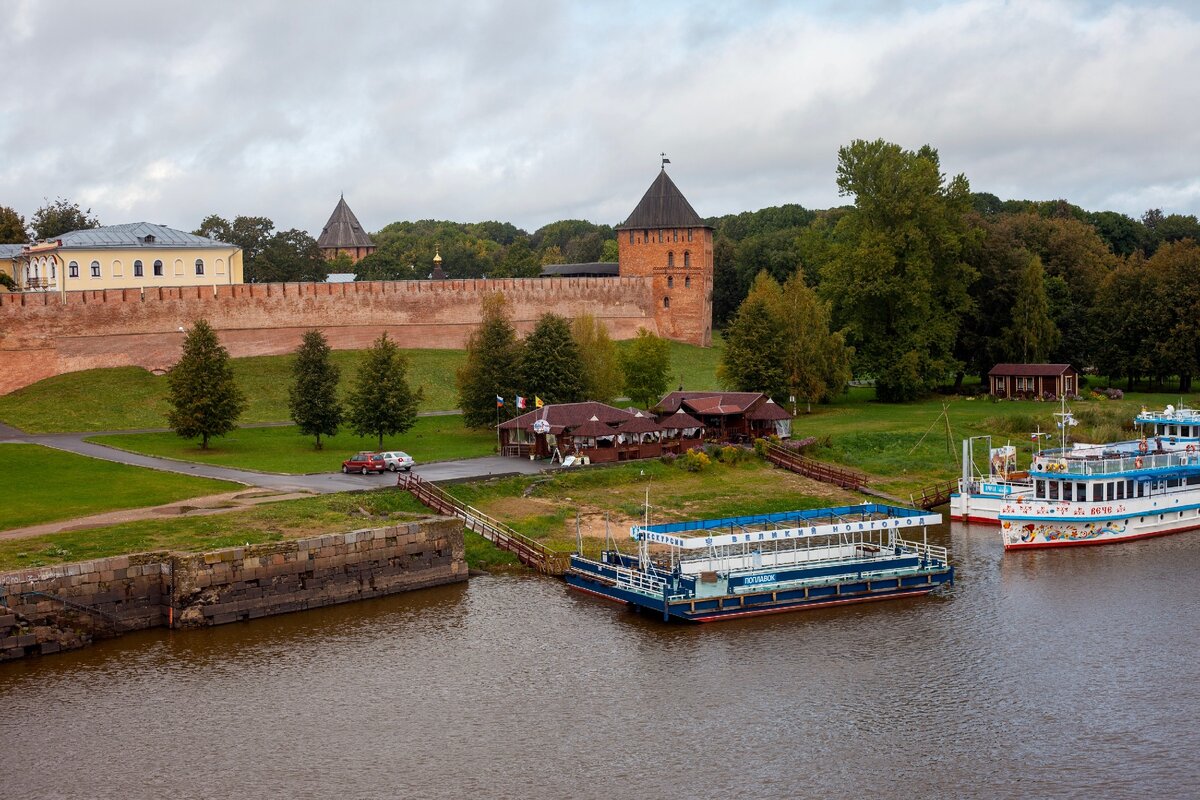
{"points": [[45, 485]]}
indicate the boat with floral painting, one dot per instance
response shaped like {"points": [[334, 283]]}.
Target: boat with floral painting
{"points": [[1082, 494]]}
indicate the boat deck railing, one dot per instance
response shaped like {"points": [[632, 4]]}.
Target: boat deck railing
{"points": [[1112, 464], [928, 552], [639, 581]]}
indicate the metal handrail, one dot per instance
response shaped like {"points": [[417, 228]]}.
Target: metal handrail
{"points": [[1113, 465]]}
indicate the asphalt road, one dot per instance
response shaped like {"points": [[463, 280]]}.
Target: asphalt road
{"points": [[321, 483]]}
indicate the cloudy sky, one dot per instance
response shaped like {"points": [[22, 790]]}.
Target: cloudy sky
{"points": [[531, 112]]}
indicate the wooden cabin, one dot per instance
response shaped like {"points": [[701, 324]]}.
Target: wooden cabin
{"points": [[1029, 381]]}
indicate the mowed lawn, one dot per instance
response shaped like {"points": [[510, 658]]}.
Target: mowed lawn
{"points": [[130, 398], [46, 485], [286, 450]]}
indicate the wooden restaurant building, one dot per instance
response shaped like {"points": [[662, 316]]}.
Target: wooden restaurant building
{"points": [[1033, 380], [731, 416], [601, 432]]}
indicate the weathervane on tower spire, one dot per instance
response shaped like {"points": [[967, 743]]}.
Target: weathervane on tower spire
{"points": [[665, 160]]}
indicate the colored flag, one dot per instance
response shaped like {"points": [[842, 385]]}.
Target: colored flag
{"points": [[537, 402], [499, 401], [520, 401]]}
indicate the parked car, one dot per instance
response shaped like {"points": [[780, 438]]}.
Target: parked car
{"points": [[364, 463], [397, 460]]}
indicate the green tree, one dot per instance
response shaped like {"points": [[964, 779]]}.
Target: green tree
{"points": [[492, 366], [1033, 335], [12, 227], [602, 375], [342, 264], [754, 354], [381, 402], [816, 360], [288, 256], [313, 399], [610, 251], [551, 367], [205, 401], [896, 277], [59, 217], [646, 362], [7, 282]]}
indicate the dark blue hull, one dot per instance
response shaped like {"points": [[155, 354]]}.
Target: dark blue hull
{"points": [[767, 601]]}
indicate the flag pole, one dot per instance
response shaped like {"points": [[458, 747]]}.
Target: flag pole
{"points": [[498, 429]]}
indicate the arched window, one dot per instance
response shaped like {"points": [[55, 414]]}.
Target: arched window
{"points": [[670, 281], [687, 259], [660, 235], [53, 269], [95, 269], [689, 234], [199, 266], [676, 237], [670, 259], [687, 281], [158, 269], [137, 268], [666, 302], [631, 237], [73, 269], [646, 236]]}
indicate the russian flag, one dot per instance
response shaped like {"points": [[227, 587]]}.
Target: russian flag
{"points": [[499, 401]]}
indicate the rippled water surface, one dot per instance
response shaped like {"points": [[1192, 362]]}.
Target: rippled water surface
{"points": [[1068, 673]]}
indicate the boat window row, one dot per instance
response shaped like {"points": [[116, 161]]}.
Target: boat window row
{"points": [[1104, 491]]}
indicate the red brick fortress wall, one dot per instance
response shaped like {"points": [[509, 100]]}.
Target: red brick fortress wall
{"points": [[42, 335], [681, 276]]}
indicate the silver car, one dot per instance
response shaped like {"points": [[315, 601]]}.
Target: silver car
{"points": [[397, 460]]}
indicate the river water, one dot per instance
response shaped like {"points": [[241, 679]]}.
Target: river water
{"points": [[1066, 673]]}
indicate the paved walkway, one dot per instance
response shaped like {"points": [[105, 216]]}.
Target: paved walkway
{"points": [[281, 486]]}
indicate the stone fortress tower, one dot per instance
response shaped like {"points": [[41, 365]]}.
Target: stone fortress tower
{"points": [[343, 234], [665, 240]]}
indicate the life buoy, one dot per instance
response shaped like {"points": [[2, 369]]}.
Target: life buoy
{"points": [[1191, 448], [1041, 467], [1137, 462], [1142, 446]]}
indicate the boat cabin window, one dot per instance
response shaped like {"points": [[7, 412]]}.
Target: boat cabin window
{"points": [[1173, 483], [1097, 492], [1039, 489], [1081, 492], [1129, 488], [1120, 490], [1111, 491], [1053, 490], [1141, 488]]}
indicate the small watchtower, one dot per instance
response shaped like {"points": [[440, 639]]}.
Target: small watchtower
{"points": [[343, 234], [665, 240]]}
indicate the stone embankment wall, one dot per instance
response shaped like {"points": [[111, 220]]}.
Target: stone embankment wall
{"points": [[47, 609], [47, 334]]}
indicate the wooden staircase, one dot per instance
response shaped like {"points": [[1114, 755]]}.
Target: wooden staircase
{"points": [[530, 552], [936, 495]]}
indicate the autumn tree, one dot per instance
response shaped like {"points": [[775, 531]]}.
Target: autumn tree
{"points": [[12, 227], [492, 366], [1033, 334], [551, 366], [59, 217], [896, 278], [381, 402], [646, 362], [313, 399], [205, 401], [602, 375], [752, 360]]}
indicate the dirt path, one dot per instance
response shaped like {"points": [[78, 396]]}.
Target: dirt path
{"points": [[191, 507]]}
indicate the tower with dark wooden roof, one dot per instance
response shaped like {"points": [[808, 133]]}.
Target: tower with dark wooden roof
{"points": [[344, 234], [665, 241]]}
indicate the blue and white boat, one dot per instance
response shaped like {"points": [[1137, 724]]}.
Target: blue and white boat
{"points": [[1086, 494], [717, 569]]}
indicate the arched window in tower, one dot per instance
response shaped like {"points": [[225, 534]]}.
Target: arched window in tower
{"points": [[687, 281], [670, 282], [687, 259], [660, 235], [670, 259], [676, 232], [689, 234], [666, 302], [631, 236]]}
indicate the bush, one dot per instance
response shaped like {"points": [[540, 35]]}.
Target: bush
{"points": [[732, 454], [668, 458], [760, 447], [693, 461]]}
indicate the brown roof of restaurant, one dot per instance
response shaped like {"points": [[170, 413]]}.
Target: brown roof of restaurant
{"points": [[343, 229], [769, 411], [680, 420], [709, 402], [567, 415], [639, 424], [663, 206], [592, 429], [1030, 370]]}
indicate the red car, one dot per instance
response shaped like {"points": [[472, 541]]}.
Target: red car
{"points": [[364, 463]]}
